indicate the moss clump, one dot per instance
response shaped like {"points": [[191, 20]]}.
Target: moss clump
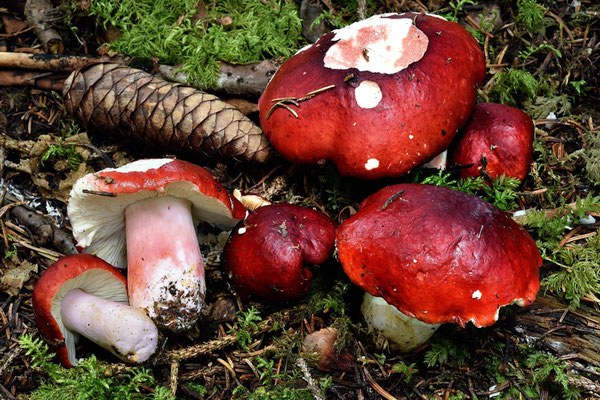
{"points": [[167, 29]]}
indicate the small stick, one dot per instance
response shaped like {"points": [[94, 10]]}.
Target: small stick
{"points": [[39, 80], [284, 101], [391, 199], [46, 62], [39, 16]]}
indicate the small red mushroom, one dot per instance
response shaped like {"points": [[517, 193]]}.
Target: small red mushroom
{"points": [[83, 295], [497, 140], [267, 254], [378, 97], [143, 215], [438, 255]]}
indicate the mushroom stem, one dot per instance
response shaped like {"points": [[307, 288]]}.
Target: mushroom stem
{"points": [[121, 329], [164, 263], [400, 331]]}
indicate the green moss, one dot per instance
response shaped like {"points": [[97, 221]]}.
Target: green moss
{"points": [[513, 87], [579, 275], [530, 14], [591, 155], [89, 379], [165, 29]]}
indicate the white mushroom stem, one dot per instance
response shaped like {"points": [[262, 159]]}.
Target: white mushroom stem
{"points": [[165, 269], [392, 327], [121, 329]]}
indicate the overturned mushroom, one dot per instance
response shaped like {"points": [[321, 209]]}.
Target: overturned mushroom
{"points": [[267, 254], [438, 256], [143, 215], [83, 295]]}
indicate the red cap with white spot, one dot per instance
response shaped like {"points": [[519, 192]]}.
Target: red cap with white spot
{"points": [[377, 97], [439, 255]]}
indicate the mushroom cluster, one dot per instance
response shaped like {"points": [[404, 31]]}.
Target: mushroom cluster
{"points": [[143, 216], [376, 98]]}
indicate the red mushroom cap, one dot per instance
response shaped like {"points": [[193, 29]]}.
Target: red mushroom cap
{"points": [[498, 138], [439, 255], [267, 253], [402, 86], [97, 201], [80, 271]]}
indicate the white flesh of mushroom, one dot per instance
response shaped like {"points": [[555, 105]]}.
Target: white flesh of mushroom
{"points": [[400, 331], [121, 329]]}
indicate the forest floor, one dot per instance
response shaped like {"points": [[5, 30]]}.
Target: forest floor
{"points": [[542, 57]]}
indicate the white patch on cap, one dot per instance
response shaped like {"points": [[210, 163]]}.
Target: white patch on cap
{"points": [[368, 94], [372, 163], [141, 165], [304, 48], [377, 44], [476, 295], [437, 16], [242, 230]]}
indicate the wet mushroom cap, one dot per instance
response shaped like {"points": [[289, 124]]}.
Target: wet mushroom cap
{"points": [[439, 255], [268, 254], [497, 139], [81, 271], [360, 95], [98, 201]]}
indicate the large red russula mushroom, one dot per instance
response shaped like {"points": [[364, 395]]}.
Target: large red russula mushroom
{"points": [[143, 216], [497, 139], [268, 254], [439, 255], [83, 295], [377, 97]]}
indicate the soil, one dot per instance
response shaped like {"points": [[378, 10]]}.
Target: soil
{"points": [[35, 232]]}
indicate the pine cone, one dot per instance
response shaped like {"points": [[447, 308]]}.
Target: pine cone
{"points": [[145, 109]]}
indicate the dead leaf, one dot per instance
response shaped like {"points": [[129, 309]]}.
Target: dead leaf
{"points": [[15, 278]]}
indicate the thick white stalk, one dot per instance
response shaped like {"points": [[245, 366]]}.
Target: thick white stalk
{"points": [[123, 330], [392, 327], [165, 271]]}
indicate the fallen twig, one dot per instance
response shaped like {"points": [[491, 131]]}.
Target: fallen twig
{"points": [[39, 14]]}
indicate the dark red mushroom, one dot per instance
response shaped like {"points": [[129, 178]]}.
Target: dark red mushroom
{"points": [[439, 255], [497, 140], [143, 215], [83, 295], [268, 254], [377, 97]]}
